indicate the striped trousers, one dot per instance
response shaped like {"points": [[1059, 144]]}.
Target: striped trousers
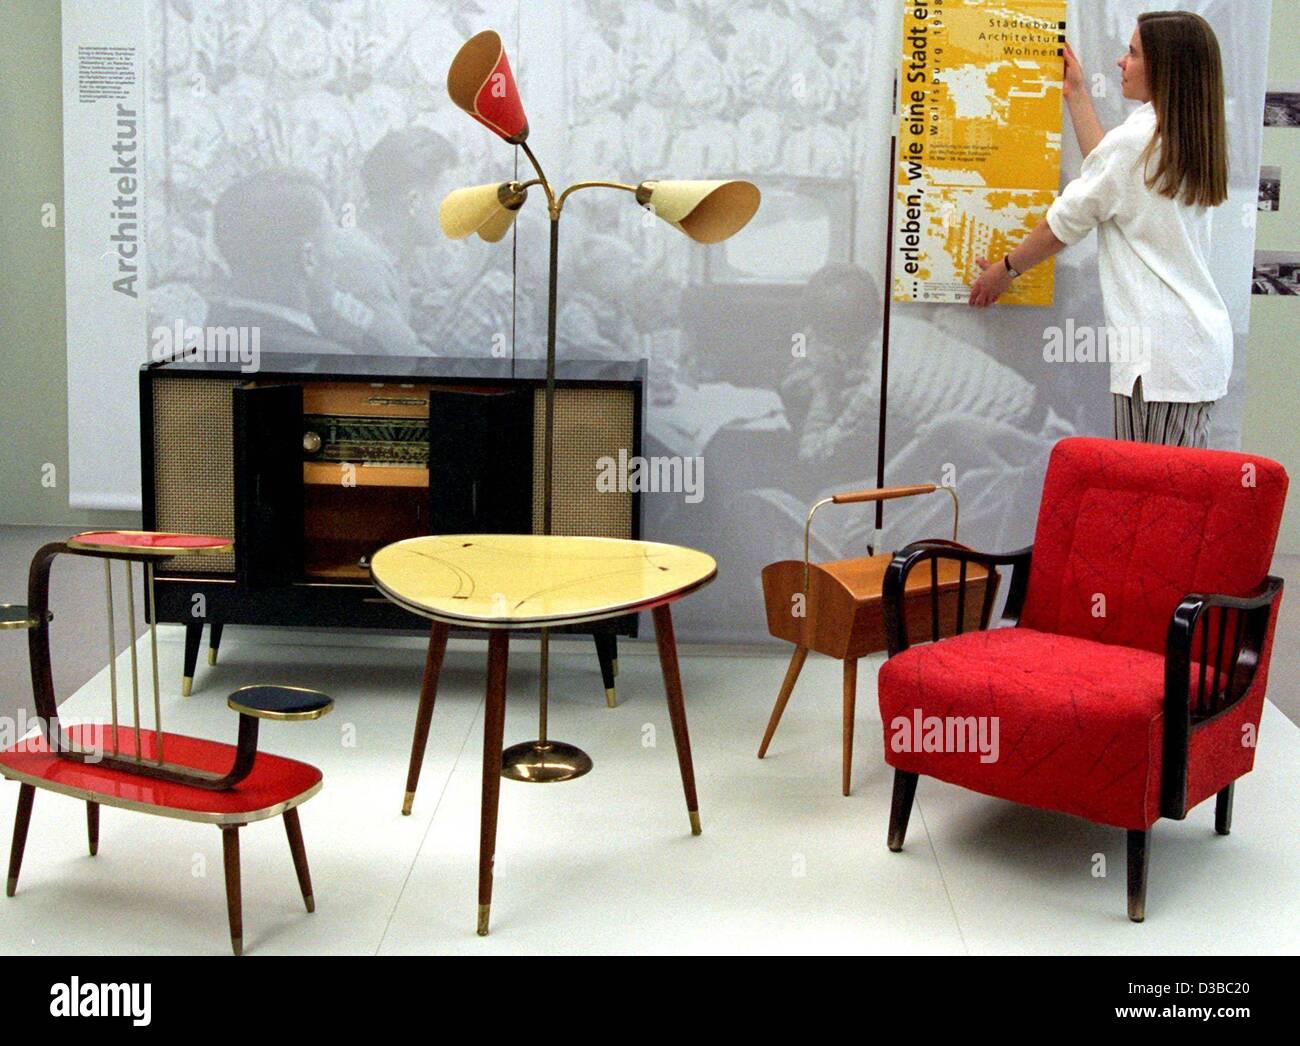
{"points": [[1173, 424]]}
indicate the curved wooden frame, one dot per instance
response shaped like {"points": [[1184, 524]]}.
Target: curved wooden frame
{"points": [[47, 707]]}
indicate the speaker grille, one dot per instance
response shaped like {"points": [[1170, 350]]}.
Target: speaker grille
{"points": [[194, 472], [589, 424]]}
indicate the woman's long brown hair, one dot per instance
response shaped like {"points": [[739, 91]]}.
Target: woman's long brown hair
{"points": [[1185, 73]]}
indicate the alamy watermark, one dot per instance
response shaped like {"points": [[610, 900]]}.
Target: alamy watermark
{"points": [[932, 733], [180, 343], [659, 475], [27, 734], [1083, 343]]}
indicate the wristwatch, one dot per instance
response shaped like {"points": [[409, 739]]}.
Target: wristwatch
{"points": [[1007, 262]]}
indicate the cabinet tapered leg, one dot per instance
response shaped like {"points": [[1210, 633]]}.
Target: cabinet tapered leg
{"points": [[782, 699], [234, 895], [193, 637], [92, 827], [293, 829], [607, 652], [667, 642], [428, 692], [26, 794], [494, 721], [214, 641]]}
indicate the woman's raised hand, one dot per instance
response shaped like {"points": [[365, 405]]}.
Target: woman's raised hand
{"points": [[1074, 78]]}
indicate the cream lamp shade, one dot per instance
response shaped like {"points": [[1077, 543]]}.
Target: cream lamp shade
{"points": [[708, 212], [488, 210], [481, 83]]}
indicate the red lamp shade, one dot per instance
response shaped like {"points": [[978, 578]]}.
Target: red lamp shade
{"points": [[481, 83]]}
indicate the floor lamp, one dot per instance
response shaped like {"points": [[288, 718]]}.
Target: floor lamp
{"points": [[481, 83]]}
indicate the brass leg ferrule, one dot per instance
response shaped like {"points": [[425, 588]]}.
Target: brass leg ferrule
{"points": [[237, 945], [212, 656], [187, 685], [406, 804], [484, 910], [310, 902], [695, 822], [611, 698], [12, 886]]}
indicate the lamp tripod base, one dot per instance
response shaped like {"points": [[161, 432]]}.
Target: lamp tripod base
{"points": [[544, 762]]}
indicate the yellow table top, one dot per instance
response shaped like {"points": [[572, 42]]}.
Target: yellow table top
{"points": [[530, 580]]}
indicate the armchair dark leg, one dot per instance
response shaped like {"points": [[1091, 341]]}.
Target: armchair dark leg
{"points": [[1139, 858], [900, 808], [26, 793], [1223, 810], [193, 636], [92, 826], [607, 652]]}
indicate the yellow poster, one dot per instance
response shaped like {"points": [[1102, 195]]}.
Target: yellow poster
{"points": [[979, 142]]}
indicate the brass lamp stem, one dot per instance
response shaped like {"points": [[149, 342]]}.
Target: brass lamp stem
{"points": [[591, 185], [541, 176], [543, 759]]}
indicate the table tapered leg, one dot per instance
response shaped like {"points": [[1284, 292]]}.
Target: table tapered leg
{"points": [[676, 708], [234, 895], [494, 721], [428, 692], [293, 829]]}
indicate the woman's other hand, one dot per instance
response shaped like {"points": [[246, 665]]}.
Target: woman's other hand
{"points": [[993, 282]]}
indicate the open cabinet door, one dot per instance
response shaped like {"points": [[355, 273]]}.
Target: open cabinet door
{"points": [[268, 485], [481, 460]]}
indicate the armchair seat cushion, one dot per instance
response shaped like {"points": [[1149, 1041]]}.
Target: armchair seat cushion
{"points": [[1057, 722]]}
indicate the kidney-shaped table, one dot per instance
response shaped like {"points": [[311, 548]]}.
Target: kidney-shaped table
{"points": [[502, 582]]}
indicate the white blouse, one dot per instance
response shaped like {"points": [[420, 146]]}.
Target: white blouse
{"points": [[1169, 324]]}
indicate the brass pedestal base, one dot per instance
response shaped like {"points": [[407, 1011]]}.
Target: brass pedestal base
{"points": [[544, 762]]}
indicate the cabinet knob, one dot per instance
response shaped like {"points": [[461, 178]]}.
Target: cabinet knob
{"points": [[311, 442]]}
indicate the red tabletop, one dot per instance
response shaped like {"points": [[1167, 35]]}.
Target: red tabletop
{"points": [[145, 542], [276, 784]]}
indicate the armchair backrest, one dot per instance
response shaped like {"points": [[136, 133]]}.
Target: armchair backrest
{"points": [[1126, 530]]}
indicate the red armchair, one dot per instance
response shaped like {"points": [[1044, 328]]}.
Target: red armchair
{"points": [[1130, 683]]}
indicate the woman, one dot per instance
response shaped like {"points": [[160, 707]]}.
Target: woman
{"points": [[1148, 188]]}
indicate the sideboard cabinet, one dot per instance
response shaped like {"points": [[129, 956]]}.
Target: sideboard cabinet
{"points": [[314, 463]]}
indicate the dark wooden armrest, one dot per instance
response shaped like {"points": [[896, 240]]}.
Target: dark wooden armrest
{"points": [[934, 550], [1232, 641]]}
